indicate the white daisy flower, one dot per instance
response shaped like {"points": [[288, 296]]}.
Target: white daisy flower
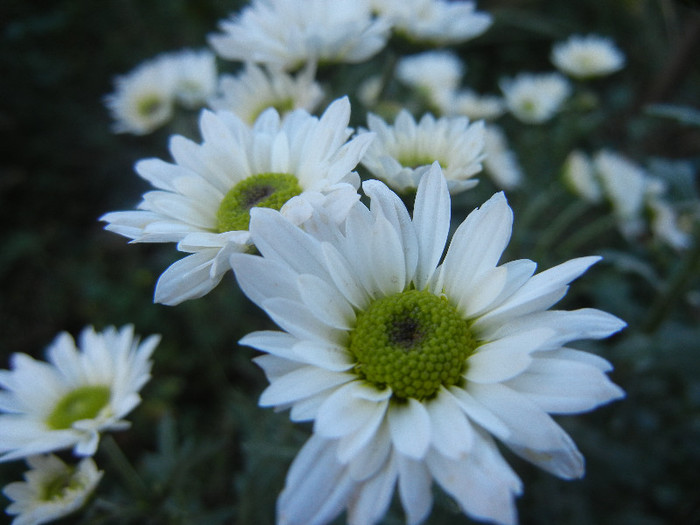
{"points": [[664, 224], [202, 201], [255, 89], [470, 104], [402, 153], [535, 98], [587, 56], [143, 100], [434, 74], [409, 364], [68, 401], [436, 22], [625, 186], [51, 490], [196, 76], [290, 33], [579, 176], [500, 162]]}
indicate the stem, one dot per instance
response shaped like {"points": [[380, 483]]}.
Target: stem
{"points": [[588, 233], [126, 470], [559, 225]]}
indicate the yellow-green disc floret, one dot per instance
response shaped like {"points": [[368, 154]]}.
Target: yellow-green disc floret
{"points": [[82, 403], [413, 342], [266, 190]]}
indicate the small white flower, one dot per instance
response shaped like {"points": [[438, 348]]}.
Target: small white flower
{"points": [[500, 162], [664, 224], [436, 22], [255, 89], [143, 100], [402, 153], [68, 401], [409, 363], [587, 56], [625, 185], [51, 490], [579, 176], [202, 201], [290, 33], [434, 74], [196, 76], [535, 98], [470, 104]]}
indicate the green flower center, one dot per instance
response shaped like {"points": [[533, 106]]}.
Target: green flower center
{"points": [[82, 403], [149, 106], [55, 488], [266, 190], [413, 342], [283, 105], [413, 160]]}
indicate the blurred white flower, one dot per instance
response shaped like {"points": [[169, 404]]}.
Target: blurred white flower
{"points": [[587, 56], [290, 33], [436, 22], [68, 401], [402, 153], [410, 360], [470, 104], [534, 98], [434, 74], [202, 201], [500, 162], [664, 224], [579, 176], [255, 89], [51, 490], [195, 73]]}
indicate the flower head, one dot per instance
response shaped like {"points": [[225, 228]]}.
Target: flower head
{"points": [[203, 200], [501, 163], [435, 22], [434, 74], [409, 363], [256, 89], [470, 104], [587, 56], [402, 153], [535, 98], [51, 489], [79, 393], [580, 177], [290, 33], [195, 73]]}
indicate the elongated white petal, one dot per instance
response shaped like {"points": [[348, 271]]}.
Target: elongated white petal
{"points": [[410, 428], [324, 301], [451, 433], [374, 497], [301, 383], [414, 489], [261, 279]]}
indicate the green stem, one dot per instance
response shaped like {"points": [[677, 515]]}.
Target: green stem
{"points": [[559, 225], [588, 233], [125, 469]]}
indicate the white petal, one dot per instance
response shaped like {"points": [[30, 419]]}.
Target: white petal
{"points": [[343, 278], [414, 489], [388, 262], [344, 413], [410, 428], [374, 497], [261, 278], [451, 433], [324, 301], [295, 318], [302, 383], [188, 278]]}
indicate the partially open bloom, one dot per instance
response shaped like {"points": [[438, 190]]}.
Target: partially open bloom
{"points": [[402, 153], [587, 56], [290, 33], [256, 88], [79, 393], [535, 98], [580, 177], [434, 74], [202, 201], [51, 490], [435, 22], [500, 162], [410, 363]]}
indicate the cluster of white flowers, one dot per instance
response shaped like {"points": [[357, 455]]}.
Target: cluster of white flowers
{"points": [[144, 99], [67, 403]]}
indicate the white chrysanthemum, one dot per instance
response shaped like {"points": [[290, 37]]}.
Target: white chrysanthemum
{"points": [[579, 176], [474, 106], [587, 56], [290, 33], [51, 490], [664, 224], [68, 401], [202, 201], [402, 153], [409, 363], [143, 100], [436, 22], [535, 98], [625, 186], [434, 74], [500, 162], [196, 76], [255, 89]]}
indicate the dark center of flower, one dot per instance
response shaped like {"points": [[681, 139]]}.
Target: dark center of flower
{"points": [[266, 190], [413, 342], [82, 403]]}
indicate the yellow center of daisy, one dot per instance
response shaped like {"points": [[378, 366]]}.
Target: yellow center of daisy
{"points": [[149, 105], [56, 487], [266, 190], [413, 342], [82, 403], [413, 160]]}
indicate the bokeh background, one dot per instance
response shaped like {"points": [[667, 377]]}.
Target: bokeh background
{"points": [[200, 451]]}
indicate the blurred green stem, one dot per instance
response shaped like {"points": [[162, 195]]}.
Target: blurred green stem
{"points": [[688, 268], [559, 225], [588, 233], [126, 470]]}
